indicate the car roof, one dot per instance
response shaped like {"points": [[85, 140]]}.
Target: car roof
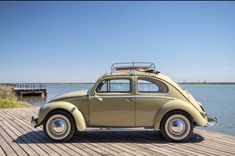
{"points": [[147, 74], [129, 74]]}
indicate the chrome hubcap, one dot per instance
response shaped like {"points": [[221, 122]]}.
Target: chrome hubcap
{"points": [[177, 126], [58, 126]]}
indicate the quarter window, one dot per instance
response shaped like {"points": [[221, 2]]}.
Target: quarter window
{"points": [[146, 85], [114, 86]]}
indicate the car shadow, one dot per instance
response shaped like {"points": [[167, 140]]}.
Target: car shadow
{"points": [[143, 137]]}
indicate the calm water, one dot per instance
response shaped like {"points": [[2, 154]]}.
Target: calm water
{"points": [[218, 101]]}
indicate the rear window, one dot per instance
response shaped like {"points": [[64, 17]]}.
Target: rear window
{"points": [[147, 85]]}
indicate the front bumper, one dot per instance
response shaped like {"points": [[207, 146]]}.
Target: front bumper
{"points": [[34, 122], [211, 121]]}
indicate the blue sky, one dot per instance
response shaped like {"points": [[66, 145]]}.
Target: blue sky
{"points": [[78, 41]]}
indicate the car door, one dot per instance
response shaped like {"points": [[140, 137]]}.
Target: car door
{"points": [[113, 103], [151, 94]]}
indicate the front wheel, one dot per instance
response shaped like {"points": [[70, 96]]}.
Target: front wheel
{"points": [[177, 126], [59, 126]]}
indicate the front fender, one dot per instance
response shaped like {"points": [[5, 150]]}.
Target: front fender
{"points": [[199, 117], [62, 105]]}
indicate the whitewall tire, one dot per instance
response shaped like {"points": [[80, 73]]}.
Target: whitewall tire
{"points": [[177, 126], [59, 125]]}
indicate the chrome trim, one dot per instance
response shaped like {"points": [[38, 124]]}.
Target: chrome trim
{"points": [[160, 97], [34, 122], [211, 121], [58, 126], [177, 126], [175, 130], [134, 96]]}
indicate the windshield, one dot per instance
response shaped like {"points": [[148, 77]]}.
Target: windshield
{"points": [[89, 90]]}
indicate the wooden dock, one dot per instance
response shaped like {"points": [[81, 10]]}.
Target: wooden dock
{"points": [[28, 89], [18, 137]]}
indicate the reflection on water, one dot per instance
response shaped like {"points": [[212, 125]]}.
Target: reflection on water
{"points": [[35, 100]]}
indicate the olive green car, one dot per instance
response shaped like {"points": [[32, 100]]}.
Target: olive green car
{"points": [[130, 96]]}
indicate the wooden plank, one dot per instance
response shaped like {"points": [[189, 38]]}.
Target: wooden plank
{"points": [[209, 149], [137, 139], [46, 150], [38, 135], [118, 145], [18, 137], [215, 135], [15, 138], [19, 123], [115, 150], [5, 146], [42, 139], [2, 153], [25, 139], [17, 149], [67, 147], [85, 149], [93, 145]]}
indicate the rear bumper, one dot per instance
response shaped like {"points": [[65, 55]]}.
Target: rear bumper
{"points": [[211, 121], [34, 122]]}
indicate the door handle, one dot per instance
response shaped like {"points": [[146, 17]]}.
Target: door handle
{"points": [[129, 100], [99, 98]]}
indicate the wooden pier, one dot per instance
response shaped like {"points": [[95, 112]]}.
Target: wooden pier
{"points": [[18, 137], [28, 89]]}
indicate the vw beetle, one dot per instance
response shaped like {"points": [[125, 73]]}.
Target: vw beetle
{"points": [[131, 95]]}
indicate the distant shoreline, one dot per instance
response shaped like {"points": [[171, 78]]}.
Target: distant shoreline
{"points": [[186, 83], [207, 83]]}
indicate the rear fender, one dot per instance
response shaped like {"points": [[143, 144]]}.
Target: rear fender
{"points": [[197, 116]]}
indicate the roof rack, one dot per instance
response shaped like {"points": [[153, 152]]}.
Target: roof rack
{"points": [[133, 66]]}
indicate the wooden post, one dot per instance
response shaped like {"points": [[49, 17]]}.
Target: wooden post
{"points": [[43, 95]]}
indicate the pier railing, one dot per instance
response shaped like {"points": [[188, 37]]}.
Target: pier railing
{"points": [[33, 86], [26, 86]]}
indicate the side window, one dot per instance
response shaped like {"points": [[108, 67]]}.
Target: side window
{"points": [[146, 85], [114, 86]]}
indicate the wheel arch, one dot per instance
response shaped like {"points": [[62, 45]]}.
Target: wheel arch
{"points": [[63, 106], [179, 105], [55, 110], [174, 110]]}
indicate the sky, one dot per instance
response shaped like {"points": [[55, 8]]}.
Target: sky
{"points": [[78, 41]]}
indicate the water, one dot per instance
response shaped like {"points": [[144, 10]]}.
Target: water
{"points": [[218, 101], [57, 89]]}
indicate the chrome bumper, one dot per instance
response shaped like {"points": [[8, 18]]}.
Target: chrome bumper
{"points": [[34, 122], [211, 121]]}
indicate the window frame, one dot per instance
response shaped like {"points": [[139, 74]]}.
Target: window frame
{"points": [[115, 92], [149, 92]]}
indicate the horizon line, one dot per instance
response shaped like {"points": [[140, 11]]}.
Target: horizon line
{"points": [[185, 82]]}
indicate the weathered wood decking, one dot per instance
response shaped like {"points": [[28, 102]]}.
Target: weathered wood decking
{"points": [[18, 137]]}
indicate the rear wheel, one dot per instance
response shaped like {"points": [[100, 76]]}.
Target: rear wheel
{"points": [[59, 125], [177, 126]]}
